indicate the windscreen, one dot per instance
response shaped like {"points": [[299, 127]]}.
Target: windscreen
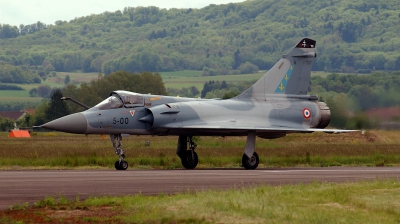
{"points": [[111, 102]]}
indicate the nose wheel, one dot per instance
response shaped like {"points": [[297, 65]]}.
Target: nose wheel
{"points": [[121, 164]]}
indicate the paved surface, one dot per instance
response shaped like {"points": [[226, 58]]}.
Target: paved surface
{"points": [[31, 186]]}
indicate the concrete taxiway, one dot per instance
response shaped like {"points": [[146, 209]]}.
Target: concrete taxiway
{"points": [[30, 186]]}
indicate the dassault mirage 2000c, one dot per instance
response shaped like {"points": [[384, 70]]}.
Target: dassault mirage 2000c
{"points": [[277, 104]]}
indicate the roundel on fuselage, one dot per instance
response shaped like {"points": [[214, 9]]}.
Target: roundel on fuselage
{"points": [[306, 113]]}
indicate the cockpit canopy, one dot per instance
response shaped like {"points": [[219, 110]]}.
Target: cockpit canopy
{"points": [[121, 98], [130, 99]]}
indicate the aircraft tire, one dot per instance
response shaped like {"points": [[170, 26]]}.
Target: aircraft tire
{"points": [[250, 163], [123, 165], [187, 160], [117, 165]]}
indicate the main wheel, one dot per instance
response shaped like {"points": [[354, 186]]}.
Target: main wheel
{"points": [[250, 163], [123, 165], [189, 161]]}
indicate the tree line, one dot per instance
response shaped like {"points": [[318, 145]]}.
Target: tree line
{"points": [[350, 96], [218, 39], [17, 74], [8, 31], [379, 89]]}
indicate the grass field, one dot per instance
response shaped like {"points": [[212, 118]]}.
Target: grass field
{"points": [[177, 74], [360, 202], [19, 99], [75, 77], [22, 96], [321, 73], [66, 151]]}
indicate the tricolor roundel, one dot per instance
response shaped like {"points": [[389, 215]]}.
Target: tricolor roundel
{"points": [[306, 113]]}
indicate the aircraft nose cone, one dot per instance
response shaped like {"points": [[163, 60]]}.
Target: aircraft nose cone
{"points": [[73, 123]]}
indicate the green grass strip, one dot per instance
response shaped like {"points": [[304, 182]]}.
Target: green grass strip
{"points": [[360, 202]]}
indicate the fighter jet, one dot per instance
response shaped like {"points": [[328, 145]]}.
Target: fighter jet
{"points": [[276, 105]]}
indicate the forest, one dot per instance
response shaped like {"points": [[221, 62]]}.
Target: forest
{"points": [[359, 36]]}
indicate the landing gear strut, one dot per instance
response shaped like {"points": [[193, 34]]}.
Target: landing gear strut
{"points": [[120, 164], [189, 157]]}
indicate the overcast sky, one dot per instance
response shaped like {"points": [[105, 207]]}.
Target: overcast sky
{"points": [[16, 12]]}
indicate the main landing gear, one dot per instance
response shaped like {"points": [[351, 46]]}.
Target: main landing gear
{"points": [[120, 164], [250, 158], [250, 163], [189, 158]]}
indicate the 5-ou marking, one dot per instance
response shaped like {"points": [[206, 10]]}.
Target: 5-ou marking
{"points": [[306, 113]]}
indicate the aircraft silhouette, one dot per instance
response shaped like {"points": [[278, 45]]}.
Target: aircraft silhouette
{"points": [[277, 104]]}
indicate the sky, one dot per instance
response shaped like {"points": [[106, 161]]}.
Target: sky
{"points": [[16, 12]]}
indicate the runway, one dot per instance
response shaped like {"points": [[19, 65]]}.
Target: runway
{"points": [[31, 186]]}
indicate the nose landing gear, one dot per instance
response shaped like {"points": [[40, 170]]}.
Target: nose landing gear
{"points": [[120, 164]]}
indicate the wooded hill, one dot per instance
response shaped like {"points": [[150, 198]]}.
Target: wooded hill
{"points": [[352, 36]]}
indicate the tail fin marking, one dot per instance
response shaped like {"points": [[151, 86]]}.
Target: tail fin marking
{"points": [[282, 86], [290, 75]]}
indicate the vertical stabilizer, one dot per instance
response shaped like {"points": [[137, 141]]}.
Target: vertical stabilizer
{"points": [[290, 75]]}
